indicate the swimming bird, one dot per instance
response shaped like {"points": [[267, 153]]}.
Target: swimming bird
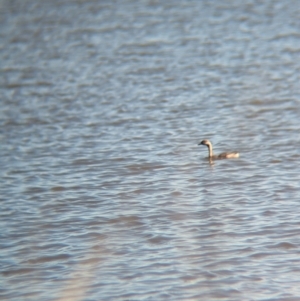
{"points": [[221, 156]]}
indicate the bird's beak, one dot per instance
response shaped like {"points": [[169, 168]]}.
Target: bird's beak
{"points": [[199, 143]]}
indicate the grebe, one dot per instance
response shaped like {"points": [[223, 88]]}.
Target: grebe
{"points": [[221, 156]]}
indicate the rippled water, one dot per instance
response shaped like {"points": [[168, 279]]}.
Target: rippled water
{"points": [[105, 194]]}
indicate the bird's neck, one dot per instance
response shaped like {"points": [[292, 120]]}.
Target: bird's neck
{"points": [[210, 150]]}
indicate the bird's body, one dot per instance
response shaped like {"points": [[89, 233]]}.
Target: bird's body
{"points": [[229, 155]]}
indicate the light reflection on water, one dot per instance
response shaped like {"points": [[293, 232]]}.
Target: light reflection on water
{"points": [[105, 192]]}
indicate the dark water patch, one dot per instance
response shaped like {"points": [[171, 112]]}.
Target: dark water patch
{"points": [[284, 245], [46, 259], [58, 188], [20, 271], [158, 240], [35, 190]]}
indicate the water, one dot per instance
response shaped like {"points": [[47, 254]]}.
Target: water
{"points": [[105, 194]]}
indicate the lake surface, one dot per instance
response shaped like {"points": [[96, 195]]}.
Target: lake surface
{"points": [[105, 194]]}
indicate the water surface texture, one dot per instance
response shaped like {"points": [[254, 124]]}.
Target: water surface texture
{"points": [[105, 194]]}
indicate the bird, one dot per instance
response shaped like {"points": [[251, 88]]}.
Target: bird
{"points": [[228, 155]]}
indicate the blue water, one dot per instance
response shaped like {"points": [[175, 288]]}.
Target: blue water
{"points": [[105, 194]]}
